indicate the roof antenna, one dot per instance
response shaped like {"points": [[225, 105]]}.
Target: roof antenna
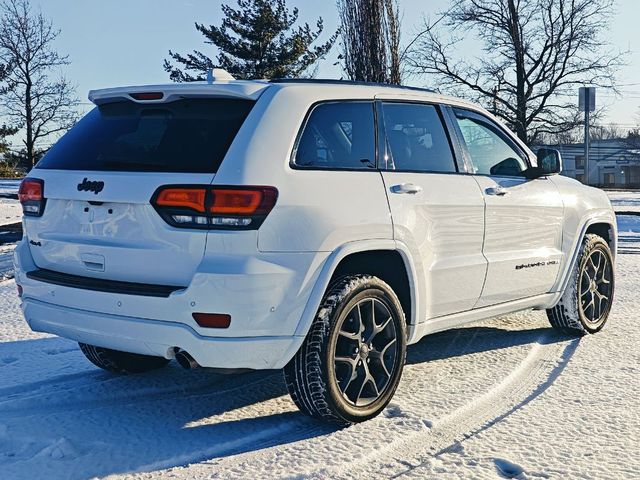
{"points": [[210, 76]]}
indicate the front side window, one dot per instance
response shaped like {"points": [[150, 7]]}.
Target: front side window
{"points": [[490, 151], [338, 135], [416, 138]]}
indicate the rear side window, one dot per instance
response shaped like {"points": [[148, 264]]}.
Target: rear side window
{"points": [[416, 138], [187, 136], [338, 135]]}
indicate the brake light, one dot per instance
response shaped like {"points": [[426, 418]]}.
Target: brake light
{"points": [[31, 196], [182, 197], [146, 96], [224, 207]]}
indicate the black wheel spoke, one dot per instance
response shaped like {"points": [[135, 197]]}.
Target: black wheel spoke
{"points": [[360, 322], [365, 380], [595, 286], [349, 335], [379, 329], [391, 343], [352, 374], [363, 365]]}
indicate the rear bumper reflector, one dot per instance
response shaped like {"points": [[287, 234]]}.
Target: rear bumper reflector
{"points": [[212, 320], [100, 285]]}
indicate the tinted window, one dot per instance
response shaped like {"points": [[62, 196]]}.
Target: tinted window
{"points": [[338, 135], [491, 153], [182, 136], [416, 138]]}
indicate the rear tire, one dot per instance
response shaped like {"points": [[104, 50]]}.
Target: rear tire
{"points": [[121, 362], [586, 302], [350, 364]]}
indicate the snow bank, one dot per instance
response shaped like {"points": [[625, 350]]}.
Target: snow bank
{"points": [[10, 211]]}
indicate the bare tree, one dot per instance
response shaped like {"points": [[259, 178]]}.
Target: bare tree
{"points": [[609, 131], [38, 100], [535, 55], [370, 31], [5, 131]]}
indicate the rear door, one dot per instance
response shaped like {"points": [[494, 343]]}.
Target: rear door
{"points": [[437, 210], [100, 177], [523, 217]]}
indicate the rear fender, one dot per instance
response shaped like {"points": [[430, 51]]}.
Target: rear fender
{"points": [[334, 260]]}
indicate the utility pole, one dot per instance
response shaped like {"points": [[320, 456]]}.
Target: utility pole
{"points": [[587, 104]]}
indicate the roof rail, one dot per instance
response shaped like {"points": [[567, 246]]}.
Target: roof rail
{"points": [[333, 81]]}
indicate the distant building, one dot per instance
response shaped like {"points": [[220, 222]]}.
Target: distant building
{"points": [[612, 163]]}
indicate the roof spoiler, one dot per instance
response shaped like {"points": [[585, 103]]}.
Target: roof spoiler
{"points": [[219, 84]]}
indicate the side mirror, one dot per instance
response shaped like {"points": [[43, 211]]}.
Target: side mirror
{"points": [[550, 161]]}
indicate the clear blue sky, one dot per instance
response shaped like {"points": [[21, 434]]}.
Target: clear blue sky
{"points": [[118, 42]]}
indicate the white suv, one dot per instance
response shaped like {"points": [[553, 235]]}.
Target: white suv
{"points": [[315, 226]]}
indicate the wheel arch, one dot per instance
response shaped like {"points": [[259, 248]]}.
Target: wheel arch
{"points": [[352, 257], [606, 230], [601, 223]]}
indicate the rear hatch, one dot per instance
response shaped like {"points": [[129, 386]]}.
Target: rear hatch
{"points": [[99, 179]]}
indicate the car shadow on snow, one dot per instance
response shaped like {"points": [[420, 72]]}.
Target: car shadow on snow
{"points": [[469, 340], [61, 415]]}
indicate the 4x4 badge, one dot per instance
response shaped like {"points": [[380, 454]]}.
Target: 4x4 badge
{"points": [[89, 186]]}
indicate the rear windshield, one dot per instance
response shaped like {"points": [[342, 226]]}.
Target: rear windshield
{"points": [[190, 136]]}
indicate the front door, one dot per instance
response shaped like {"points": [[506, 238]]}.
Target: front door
{"points": [[523, 218], [437, 211]]}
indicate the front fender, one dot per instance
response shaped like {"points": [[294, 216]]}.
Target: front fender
{"points": [[573, 240]]}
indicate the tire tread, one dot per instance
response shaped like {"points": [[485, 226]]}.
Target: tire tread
{"points": [[304, 373]]}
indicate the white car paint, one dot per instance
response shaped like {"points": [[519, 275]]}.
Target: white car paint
{"points": [[459, 244]]}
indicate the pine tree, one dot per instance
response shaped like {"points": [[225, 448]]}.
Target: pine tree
{"points": [[257, 40]]}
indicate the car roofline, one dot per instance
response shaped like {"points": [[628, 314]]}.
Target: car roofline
{"points": [[333, 81]]}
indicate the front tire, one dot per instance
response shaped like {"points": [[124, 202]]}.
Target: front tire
{"points": [[350, 364], [586, 302], [121, 362]]}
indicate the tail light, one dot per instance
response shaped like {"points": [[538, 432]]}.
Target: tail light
{"points": [[224, 207], [31, 196]]}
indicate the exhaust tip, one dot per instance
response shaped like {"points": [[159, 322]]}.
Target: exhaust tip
{"points": [[186, 361]]}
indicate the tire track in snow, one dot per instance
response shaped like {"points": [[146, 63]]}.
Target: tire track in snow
{"points": [[409, 438], [531, 378], [301, 427], [60, 400]]}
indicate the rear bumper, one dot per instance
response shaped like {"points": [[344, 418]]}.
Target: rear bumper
{"points": [[265, 295], [159, 338]]}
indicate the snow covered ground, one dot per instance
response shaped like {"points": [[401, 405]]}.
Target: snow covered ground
{"points": [[625, 201], [504, 398], [10, 211]]}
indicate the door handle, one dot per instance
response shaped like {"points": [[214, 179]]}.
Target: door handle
{"points": [[498, 191], [408, 188]]}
